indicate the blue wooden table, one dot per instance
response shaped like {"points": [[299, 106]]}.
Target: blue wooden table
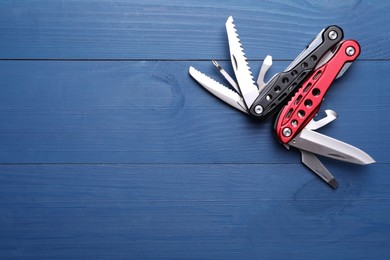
{"points": [[110, 150]]}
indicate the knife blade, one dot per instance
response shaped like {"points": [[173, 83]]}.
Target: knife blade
{"points": [[323, 145]]}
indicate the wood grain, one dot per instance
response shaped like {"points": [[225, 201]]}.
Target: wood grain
{"points": [[182, 30], [154, 112], [197, 211], [108, 149]]}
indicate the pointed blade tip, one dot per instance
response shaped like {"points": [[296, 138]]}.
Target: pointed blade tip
{"points": [[317, 143], [370, 160], [365, 159]]}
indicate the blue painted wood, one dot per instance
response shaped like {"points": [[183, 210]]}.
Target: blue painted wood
{"points": [[110, 150], [175, 29], [154, 112], [191, 211]]}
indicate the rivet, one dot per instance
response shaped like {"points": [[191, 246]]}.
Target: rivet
{"points": [[259, 109], [287, 132], [332, 35], [350, 51]]}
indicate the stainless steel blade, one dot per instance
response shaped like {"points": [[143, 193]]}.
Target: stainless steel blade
{"points": [[219, 90], [267, 63], [327, 56], [344, 69], [248, 88], [320, 144], [314, 164]]}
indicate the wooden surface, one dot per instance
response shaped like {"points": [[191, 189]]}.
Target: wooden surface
{"points": [[110, 150]]}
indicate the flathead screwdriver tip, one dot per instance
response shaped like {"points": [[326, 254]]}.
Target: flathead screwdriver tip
{"points": [[333, 183]]}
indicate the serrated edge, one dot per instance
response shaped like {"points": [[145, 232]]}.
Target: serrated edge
{"points": [[241, 48], [212, 86], [243, 73]]}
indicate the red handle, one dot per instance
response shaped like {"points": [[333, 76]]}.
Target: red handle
{"points": [[306, 102]]}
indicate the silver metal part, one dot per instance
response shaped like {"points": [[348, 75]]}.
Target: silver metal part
{"points": [[219, 90], [244, 77], [320, 144], [314, 164], [327, 56], [226, 75], [332, 35], [267, 63], [259, 109], [330, 54], [350, 51], [330, 116], [344, 69], [287, 132]]}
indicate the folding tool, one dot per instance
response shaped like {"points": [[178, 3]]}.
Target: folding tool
{"points": [[309, 77], [263, 100], [295, 124]]}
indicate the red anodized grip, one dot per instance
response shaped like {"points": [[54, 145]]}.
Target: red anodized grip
{"points": [[306, 102]]}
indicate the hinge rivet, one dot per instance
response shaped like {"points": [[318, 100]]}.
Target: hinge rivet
{"points": [[332, 35], [259, 109], [287, 132], [350, 51]]}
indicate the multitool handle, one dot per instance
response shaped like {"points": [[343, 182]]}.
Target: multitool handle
{"points": [[284, 84], [306, 102]]}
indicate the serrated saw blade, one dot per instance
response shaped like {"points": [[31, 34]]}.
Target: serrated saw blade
{"points": [[218, 90], [248, 88]]}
